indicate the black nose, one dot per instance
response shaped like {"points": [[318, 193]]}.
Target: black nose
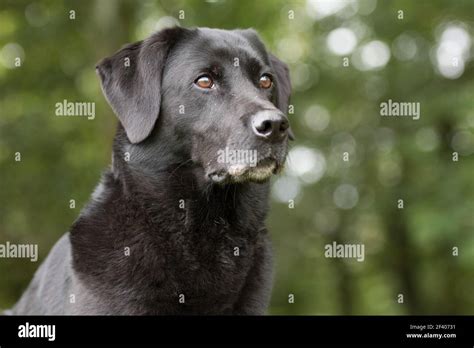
{"points": [[270, 125]]}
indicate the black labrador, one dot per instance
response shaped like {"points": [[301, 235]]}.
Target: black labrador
{"points": [[177, 224]]}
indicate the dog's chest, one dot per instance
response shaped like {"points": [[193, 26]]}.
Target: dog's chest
{"points": [[214, 258], [201, 271], [165, 261]]}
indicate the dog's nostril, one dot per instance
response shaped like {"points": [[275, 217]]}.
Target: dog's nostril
{"points": [[265, 127], [284, 126]]}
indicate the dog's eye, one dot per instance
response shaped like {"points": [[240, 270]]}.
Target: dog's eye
{"points": [[265, 82], [204, 81]]}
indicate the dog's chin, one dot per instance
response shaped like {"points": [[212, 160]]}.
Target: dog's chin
{"points": [[241, 173]]}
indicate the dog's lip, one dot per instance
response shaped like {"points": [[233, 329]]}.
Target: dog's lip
{"points": [[267, 161], [218, 176], [239, 172]]}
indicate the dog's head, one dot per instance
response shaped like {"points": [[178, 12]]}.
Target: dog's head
{"points": [[213, 98]]}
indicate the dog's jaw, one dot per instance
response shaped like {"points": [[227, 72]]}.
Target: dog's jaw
{"points": [[241, 173]]}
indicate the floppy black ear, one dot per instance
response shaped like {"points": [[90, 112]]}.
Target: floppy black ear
{"points": [[283, 83], [283, 86], [131, 82]]}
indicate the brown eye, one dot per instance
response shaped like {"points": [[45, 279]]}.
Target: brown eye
{"points": [[265, 82], [204, 81]]}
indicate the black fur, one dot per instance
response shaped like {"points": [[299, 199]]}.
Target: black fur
{"points": [[161, 199]]}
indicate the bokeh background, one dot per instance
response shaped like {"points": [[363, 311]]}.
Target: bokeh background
{"points": [[422, 54]]}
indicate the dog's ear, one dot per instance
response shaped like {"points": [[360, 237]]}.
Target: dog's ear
{"points": [[283, 83], [283, 86], [131, 81]]}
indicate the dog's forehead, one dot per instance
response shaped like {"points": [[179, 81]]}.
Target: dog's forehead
{"points": [[221, 36], [208, 44]]}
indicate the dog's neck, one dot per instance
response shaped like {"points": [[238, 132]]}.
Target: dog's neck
{"points": [[175, 182], [180, 190]]}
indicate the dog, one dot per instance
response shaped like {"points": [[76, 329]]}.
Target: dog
{"points": [[177, 223]]}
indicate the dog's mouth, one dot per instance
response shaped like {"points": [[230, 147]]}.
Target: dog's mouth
{"points": [[238, 173]]}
